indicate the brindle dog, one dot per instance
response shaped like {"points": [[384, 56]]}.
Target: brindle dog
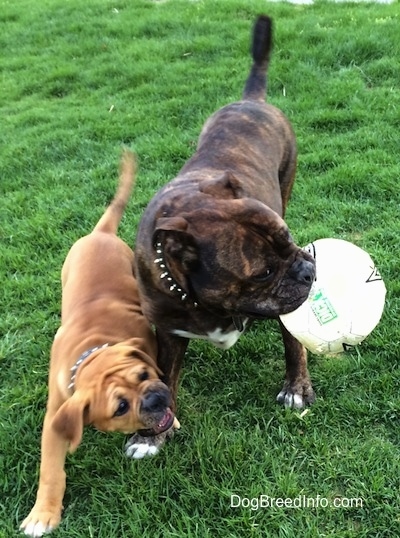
{"points": [[213, 251]]}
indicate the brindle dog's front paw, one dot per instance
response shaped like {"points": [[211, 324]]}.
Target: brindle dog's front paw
{"points": [[140, 446], [297, 394]]}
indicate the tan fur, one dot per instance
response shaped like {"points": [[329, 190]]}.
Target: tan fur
{"points": [[100, 305]]}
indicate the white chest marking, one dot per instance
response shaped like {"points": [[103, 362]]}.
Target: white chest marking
{"points": [[216, 337]]}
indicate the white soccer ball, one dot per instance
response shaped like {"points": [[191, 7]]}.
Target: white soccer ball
{"points": [[346, 300]]}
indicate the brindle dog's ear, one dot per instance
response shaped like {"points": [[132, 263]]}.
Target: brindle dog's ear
{"points": [[225, 186], [179, 246], [263, 220], [174, 224]]}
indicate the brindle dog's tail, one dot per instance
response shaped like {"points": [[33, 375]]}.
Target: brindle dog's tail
{"points": [[256, 83], [112, 216]]}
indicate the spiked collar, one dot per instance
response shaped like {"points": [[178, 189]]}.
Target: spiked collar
{"points": [[238, 321], [172, 284], [75, 367]]}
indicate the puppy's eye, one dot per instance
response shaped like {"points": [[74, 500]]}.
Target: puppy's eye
{"points": [[123, 408], [144, 375], [264, 276]]}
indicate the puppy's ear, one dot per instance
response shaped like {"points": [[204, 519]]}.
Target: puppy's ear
{"points": [[226, 186], [137, 353], [179, 246], [70, 419]]}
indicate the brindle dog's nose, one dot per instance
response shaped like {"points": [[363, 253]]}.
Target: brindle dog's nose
{"points": [[155, 401], [303, 271]]}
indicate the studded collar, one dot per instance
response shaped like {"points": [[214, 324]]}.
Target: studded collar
{"points": [[166, 275], [75, 367]]}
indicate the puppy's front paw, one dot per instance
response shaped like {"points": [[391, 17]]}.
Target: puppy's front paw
{"points": [[296, 394], [40, 522]]}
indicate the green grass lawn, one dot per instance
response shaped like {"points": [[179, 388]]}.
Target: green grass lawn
{"points": [[79, 80]]}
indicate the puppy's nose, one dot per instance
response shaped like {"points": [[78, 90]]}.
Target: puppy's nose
{"points": [[302, 271], [154, 401]]}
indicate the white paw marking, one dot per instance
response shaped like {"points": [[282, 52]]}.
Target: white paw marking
{"points": [[290, 400], [281, 396], [138, 451], [297, 401], [36, 529]]}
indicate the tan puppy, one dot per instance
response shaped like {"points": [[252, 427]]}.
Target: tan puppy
{"points": [[103, 360]]}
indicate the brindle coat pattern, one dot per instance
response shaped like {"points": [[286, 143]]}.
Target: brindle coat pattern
{"points": [[220, 230]]}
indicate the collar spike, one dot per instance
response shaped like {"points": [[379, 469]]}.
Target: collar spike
{"points": [[84, 356], [172, 284]]}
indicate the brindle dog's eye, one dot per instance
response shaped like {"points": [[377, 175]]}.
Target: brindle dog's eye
{"points": [[265, 276], [123, 408], [144, 375]]}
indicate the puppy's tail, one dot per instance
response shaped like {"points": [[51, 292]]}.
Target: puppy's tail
{"points": [[256, 83], [112, 216]]}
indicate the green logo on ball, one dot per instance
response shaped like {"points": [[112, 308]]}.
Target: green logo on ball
{"points": [[322, 308]]}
